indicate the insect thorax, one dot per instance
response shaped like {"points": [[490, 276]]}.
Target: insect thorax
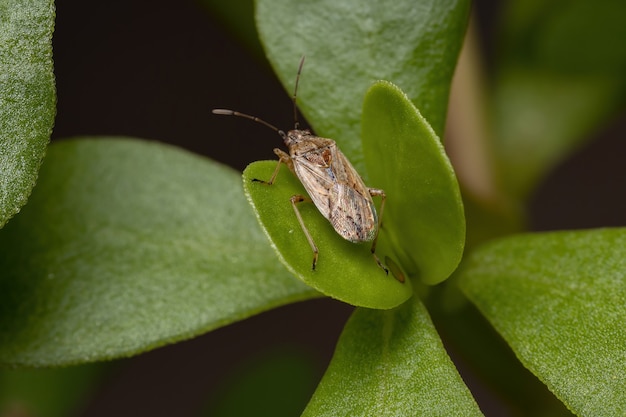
{"points": [[301, 142]]}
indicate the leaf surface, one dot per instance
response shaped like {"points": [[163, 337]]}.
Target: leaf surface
{"points": [[345, 270], [391, 363], [424, 215], [349, 44], [27, 98], [127, 245], [558, 300]]}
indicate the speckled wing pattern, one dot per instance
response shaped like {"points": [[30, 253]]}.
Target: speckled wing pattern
{"points": [[337, 190]]}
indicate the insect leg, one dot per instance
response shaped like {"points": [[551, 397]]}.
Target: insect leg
{"points": [[283, 158], [378, 192], [295, 199], [395, 270]]}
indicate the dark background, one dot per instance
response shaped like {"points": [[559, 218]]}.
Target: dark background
{"points": [[154, 70]]}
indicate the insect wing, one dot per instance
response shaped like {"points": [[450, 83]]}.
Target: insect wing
{"points": [[354, 216], [338, 193], [317, 179]]}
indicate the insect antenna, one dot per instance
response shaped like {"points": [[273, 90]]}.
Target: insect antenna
{"points": [[226, 112], [295, 94]]}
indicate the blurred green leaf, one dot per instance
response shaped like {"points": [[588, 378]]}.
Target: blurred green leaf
{"points": [[238, 17], [558, 300], [391, 363], [128, 245], [541, 117], [48, 392], [575, 37], [27, 98], [276, 384], [560, 77], [348, 44], [424, 211], [345, 270]]}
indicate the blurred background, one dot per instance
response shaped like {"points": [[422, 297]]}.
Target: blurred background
{"points": [[154, 70]]}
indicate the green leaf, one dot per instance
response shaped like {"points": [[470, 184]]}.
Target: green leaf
{"points": [[128, 245], [424, 211], [481, 350], [572, 37], [391, 363], [559, 79], [345, 271], [542, 117], [48, 392], [350, 43], [27, 98], [238, 17], [277, 384], [558, 300]]}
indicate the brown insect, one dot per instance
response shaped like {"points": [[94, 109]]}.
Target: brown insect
{"points": [[331, 181]]}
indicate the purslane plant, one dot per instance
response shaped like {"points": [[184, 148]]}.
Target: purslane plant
{"points": [[124, 247]]}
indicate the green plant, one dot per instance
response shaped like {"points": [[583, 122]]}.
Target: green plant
{"points": [[126, 245]]}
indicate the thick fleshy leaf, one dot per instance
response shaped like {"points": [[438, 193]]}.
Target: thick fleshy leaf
{"points": [[348, 44], [127, 245], [345, 271], [559, 78], [391, 363], [27, 97], [424, 211], [558, 300]]}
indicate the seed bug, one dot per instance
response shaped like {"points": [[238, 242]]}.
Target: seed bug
{"points": [[333, 185]]}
